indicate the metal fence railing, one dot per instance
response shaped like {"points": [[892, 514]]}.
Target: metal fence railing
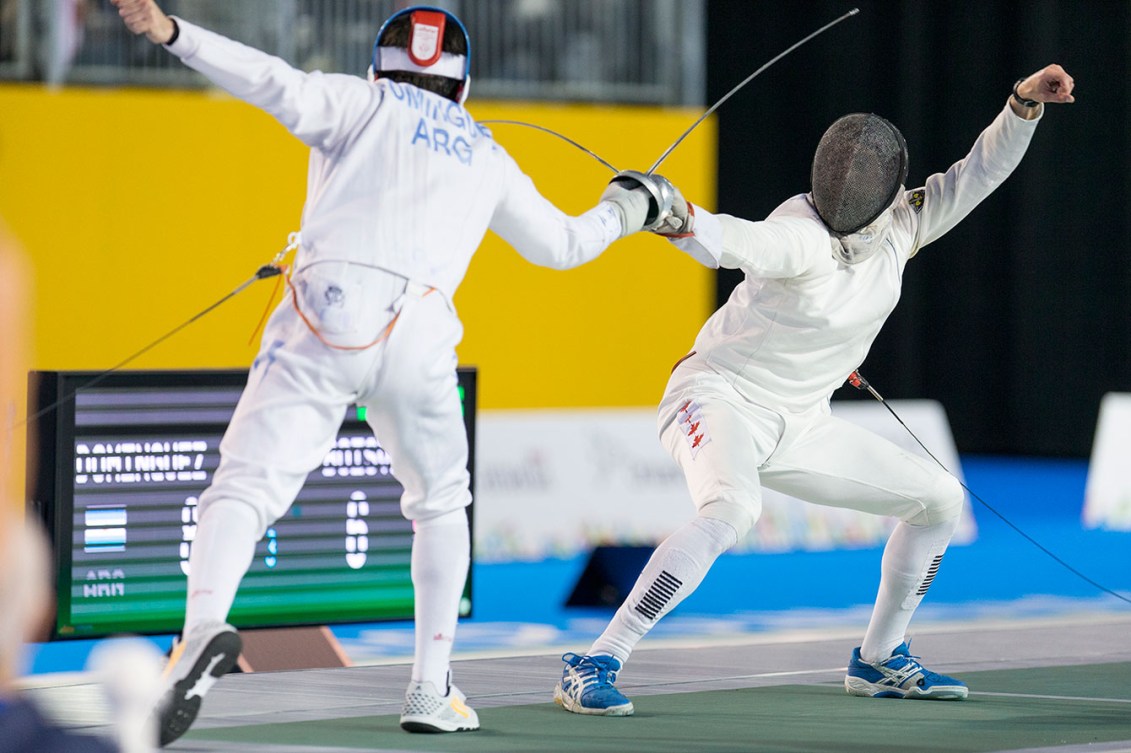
{"points": [[15, 39], [633, 51]]}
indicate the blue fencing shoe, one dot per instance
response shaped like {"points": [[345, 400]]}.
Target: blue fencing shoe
{"points": [[587, 686], [900, 676]]}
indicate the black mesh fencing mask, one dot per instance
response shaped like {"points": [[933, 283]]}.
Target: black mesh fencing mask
{"points": [[858, 169]]}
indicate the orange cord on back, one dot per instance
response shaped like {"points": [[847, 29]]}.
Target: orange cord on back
{"points": [[384, 332]]}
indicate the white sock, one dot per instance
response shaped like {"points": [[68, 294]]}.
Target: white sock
{"points": [[441, 553], [911, 559], [222, 551], [674, 571]]}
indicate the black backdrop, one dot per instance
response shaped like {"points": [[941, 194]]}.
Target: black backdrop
{"points": [[1019, 319]]}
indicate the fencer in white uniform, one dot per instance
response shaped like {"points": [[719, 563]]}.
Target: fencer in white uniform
{"points": [[402, 186], [749, 406]]}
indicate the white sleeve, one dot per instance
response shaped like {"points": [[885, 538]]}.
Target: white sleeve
{"points": [[705, 244], [779, 247], [320, 109], [948, 197], [542, 233]]}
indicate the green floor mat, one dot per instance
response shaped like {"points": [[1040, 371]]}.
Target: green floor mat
{"points": [[1092, 704]]}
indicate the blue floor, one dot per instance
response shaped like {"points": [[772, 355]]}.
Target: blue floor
{"points": [[520, 605]]}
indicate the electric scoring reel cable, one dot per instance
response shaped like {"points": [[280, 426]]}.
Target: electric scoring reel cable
{"points": [[271, 269], [859, 382]]}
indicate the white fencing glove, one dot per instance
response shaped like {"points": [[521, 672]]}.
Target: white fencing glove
{"points": [[659, 192], [680, 221], [631, 204]]}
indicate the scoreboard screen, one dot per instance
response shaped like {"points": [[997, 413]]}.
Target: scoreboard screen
{"points": [[116, 469]]}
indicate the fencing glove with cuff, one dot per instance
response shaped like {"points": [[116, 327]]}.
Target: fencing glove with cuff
{"points": [[631, 204]]}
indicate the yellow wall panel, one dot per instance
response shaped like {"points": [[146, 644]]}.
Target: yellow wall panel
{"points": [[140, 208]]}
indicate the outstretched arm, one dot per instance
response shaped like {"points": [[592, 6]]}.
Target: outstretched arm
{"points": [[548, 237], [948, 197], [783, 247], [319, 109]]}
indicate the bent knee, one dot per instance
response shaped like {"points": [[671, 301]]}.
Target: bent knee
{"points": [[942, 503], [229, 507], [435, 501], [738, 514]]}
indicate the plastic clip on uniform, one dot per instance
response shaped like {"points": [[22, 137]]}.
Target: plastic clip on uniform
{"points": [[860, 383]]}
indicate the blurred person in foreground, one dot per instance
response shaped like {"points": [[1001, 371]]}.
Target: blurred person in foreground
{"points": [[26, 588], [15, 286], [25, 608]]}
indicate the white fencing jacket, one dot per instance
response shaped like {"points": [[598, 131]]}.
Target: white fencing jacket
{"points": [[802, 320], [399, 178]]}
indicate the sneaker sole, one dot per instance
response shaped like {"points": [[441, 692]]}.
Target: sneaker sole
{"points": [[431, 728], [858, 687], [567, 703], [179, 711]]}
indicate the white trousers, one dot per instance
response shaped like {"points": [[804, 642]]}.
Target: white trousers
{"points": [[729, 448], [298, 391]]}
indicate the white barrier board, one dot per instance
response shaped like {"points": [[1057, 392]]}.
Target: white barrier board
{"points": [[557, 483], [1107, 494]]}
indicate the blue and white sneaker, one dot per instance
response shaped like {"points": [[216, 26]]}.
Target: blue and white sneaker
{"points": [[900, 676], [587, 686]]}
